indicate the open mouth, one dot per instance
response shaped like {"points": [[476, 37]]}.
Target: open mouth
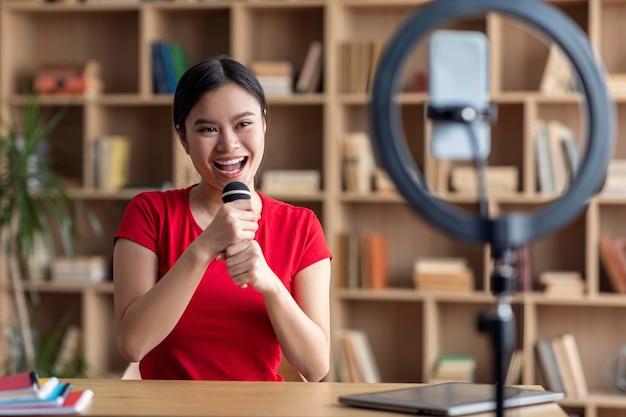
{"points": [[231, 166]]}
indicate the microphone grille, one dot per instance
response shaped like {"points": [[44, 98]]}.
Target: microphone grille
{"points": [[236, 191]]}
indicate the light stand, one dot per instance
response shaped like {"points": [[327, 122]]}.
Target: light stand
{"points": [[513, 230]]}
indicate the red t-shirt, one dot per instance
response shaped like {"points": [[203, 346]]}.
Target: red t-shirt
{"points": [[225, 332]]}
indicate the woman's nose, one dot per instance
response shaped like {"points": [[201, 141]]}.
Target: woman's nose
{"points": [[228, 140]]}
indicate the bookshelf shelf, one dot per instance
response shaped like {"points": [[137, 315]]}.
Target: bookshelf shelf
{"points": [[408, 329]]}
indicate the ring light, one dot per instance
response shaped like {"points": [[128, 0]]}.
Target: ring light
{"points": [[512, 229]]}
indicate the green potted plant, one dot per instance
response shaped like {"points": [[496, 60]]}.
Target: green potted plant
{"points": [[34, 205]]}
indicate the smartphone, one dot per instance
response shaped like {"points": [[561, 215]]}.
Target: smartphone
{"points": [[459, 76]]}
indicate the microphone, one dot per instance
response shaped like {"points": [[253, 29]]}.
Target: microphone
{"points": [[236, 190]]}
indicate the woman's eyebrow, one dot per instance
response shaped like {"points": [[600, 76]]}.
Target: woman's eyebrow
{"points": [[213, 122]]}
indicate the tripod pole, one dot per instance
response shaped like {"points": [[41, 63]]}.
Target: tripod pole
{"points": [[500, 324]]}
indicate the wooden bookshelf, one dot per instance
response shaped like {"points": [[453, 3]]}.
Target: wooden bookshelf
{"points": [[408, 330]]}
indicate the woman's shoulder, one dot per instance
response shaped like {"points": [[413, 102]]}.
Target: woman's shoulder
{"points": [[273, 206], [163, 197], [286, 214]]}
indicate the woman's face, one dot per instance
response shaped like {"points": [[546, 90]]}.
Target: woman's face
{"points": [[225, 136]]}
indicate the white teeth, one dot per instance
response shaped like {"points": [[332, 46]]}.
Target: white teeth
{"points": [[230, 161]]}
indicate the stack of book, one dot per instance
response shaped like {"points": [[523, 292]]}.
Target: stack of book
{"points": [[291, 181], [28, 394], [562, 283], [79, 269], [443, 274], [276, 77], [500, 180], [450, 368]]}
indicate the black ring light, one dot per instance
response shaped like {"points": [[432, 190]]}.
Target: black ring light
{"points": [[512, 229]]}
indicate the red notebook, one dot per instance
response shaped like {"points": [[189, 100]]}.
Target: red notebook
{"points": [[26, 383]]}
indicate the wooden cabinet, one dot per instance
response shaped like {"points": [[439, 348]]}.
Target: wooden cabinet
{"points": [[408, 329]]}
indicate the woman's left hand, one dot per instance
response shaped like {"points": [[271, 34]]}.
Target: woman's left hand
{"points": [[246, 264]]}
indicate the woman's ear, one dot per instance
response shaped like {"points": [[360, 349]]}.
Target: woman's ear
{"points": [[182, 138], [264, 121]]}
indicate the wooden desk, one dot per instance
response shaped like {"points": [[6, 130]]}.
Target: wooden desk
{"points": [[127, 398]]}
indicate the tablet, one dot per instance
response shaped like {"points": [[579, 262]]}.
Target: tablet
{"points": [[448, 398]]}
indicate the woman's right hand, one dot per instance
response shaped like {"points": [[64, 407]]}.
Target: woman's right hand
{"points": [[234, 222]]}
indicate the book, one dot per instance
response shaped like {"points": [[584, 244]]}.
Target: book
{"points": [[276, 77], [514, 370], [500, 180], [358, 162], [359, 61], [55, 398], [543, 163], [442, 274], [557, 76], [562, 283], [562, 362], [180, 60], [26, 383], [310, 75], [159, 75], [570, 348], [364, 260], [523, 269], [449, 368], [290, 181], [373, 261], [75, 402], [46, 387], [439, 264], [79, 269], [571, 152], [560, 172], [111, 162], [362, 363], [614, 262], [549, 366], [377, 49], [383, 182], [615, 180], [168, 64], [569, 365]]}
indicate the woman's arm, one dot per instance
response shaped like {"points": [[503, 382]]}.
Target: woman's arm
{"points": [[146, 312], [302, 321]]}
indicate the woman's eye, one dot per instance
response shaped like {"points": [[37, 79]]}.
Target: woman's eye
{"points": [[244, 124], [207, 129]]}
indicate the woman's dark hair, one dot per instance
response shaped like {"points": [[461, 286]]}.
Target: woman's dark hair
{"points": [[209, 75]]}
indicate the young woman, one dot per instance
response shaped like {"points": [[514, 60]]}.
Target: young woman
{"points": [[207, 290]]}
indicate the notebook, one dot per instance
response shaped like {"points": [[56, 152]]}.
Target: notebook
{"points": [[448, 398]]}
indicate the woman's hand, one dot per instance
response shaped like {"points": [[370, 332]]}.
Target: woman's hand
{"points": [[247, 265], [233, 223]]}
